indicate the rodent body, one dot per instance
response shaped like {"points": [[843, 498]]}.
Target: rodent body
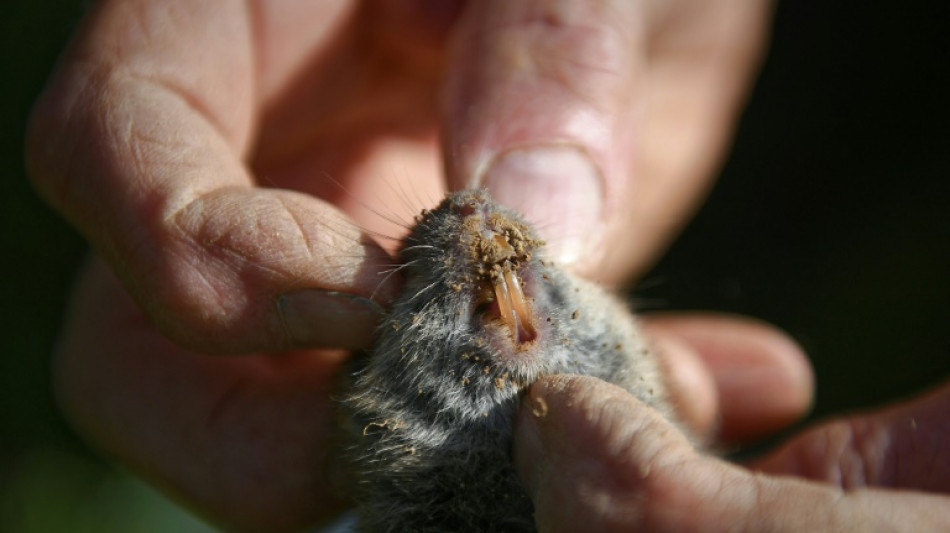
{"points": [[482, 315]]}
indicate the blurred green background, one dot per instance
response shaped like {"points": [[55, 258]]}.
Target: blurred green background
{"points": [[831, 219]]}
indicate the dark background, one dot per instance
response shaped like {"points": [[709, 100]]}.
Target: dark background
{"points": [[832, 215], [830, 220]]}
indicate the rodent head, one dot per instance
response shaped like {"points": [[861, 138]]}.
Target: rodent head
{"points": [[477, 301], [481, 251]]}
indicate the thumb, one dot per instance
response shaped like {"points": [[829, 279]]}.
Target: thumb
{"points": [[539, 108], [593, 458]]}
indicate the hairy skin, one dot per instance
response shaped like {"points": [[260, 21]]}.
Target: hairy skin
{"points": [[433, 406]]}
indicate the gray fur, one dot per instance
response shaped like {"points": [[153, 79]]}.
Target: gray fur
{"points": [[432, 407]]}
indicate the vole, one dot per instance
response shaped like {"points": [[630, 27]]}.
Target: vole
{"points": [[482, 315]]}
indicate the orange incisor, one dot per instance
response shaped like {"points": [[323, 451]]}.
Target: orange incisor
{"points": [[513, 306]]}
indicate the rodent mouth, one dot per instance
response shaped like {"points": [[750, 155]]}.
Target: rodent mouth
{"points": [[512, 306], [501, 287], [499, 248]]}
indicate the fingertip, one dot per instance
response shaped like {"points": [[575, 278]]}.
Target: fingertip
{"points": [[554, 407], [692, 388], [763, 378], [588, 451], [242, 270]]}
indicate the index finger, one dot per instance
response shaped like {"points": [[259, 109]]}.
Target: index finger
{"points": [[140, 140]]}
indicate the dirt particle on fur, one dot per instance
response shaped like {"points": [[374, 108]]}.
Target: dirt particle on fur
{"points": [[507, 244], [501, 381], [386, 425]]}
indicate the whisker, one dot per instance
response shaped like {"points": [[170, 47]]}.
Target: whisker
{"points": [[336, 226], [392, 272], [394, 268], [391, 219], [420, 291], [380, 235], [400, 192], [420, 247]]}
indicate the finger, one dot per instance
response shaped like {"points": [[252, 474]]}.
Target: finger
{"points": [[244, 441], [595, 459], [904, 446], [539, 98], [690, 385], [763, 381], [560, 108], [139, 141]]}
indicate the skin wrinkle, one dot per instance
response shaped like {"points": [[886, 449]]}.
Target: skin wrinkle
{"points": [[845, 507], [301, 232], [237, 135], [896, 449], [758, 501], [159, 25], [271, 218], [191, 101], [135, 244], [830, 443], [871, 444], [847, 456], [217, 308], [848, 460], [677, 486]]}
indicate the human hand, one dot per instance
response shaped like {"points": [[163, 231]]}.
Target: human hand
{"points": [[596, 459], [187, 142]]}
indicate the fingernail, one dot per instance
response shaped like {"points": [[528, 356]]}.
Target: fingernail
{"points": [[558, 189], [324, 318]]}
